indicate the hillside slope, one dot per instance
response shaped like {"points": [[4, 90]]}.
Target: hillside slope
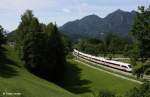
{"points": [[16, 79], [85, 81]]}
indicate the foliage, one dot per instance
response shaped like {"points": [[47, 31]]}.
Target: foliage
{"points": [[116, 43], [91, 46], [55, 52], [106, 93], [41, 47], [141, 31], [29, 24], [112, 44], [147, 71], [138, 70], [14, 78], [2, 41], [141, 91], [134, 52], [2, 37], [141, 47], [11, 37], [67, 44], [147, 67]]}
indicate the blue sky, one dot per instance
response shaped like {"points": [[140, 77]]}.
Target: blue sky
{"points": [[61, 11]]}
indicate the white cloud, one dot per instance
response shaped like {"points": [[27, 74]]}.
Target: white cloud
{"points": [[61, 11]]}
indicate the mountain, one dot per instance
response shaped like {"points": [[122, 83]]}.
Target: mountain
{"points": [[94, 26]]}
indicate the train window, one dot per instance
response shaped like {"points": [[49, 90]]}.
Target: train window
{"points": [[129, 66], [117, 64], [124, 66], [113, 63]]}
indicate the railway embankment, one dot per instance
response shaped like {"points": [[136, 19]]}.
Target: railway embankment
{"points": [[112, 70]]}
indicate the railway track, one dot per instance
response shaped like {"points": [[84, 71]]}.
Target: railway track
{"points": [[114, 74], [110, 69], [106, 67]]}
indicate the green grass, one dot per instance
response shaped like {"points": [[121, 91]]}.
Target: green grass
{"points": [[15, 78], [90, 80], [115, 72], [79, 80]]}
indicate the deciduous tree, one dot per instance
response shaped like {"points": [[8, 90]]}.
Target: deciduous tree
{"points": [[141, 34]]}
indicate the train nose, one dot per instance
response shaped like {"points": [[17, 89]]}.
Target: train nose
{"points": [[130, 69]]}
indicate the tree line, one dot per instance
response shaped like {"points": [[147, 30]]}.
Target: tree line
{"points": [[136, 46], [112, 43], [141, 52]]}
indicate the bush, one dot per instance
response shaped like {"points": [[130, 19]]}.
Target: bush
{"points": [[106, 93], [141, 91]]}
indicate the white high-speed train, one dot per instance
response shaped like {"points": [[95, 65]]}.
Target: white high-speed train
{"points": [[100, 60]]}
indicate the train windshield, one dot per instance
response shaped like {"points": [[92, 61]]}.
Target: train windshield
{"points": [[129, 66]]}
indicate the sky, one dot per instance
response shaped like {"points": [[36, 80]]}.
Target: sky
{"points": [[61, 11]]}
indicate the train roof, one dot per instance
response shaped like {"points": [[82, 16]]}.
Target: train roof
{"points": [[117, 62], [102, 58]]}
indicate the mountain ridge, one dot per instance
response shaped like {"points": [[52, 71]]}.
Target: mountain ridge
{"points": [[93, 26]]}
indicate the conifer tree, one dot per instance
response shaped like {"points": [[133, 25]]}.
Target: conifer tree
{"points": [[41, 47], [141, 31], [2, 39], [141, 34]]}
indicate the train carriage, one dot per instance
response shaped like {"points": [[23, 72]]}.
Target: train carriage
{"points": [[100, 60]]}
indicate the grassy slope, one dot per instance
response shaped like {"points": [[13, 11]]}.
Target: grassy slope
{"points": [[14, 78], [94, 80]]}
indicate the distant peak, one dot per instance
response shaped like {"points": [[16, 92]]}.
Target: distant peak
{"points": [[92, 16], [119, 10], [133, 11]]}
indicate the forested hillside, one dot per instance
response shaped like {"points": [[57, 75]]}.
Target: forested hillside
{"points": [[93, 26]]}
